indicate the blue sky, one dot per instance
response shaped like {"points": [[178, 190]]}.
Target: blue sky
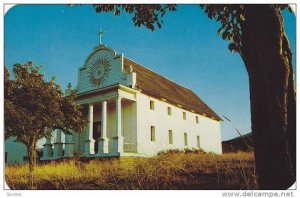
{"points": [[186, 50]]}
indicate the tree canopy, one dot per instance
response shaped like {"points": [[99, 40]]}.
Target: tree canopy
{"points": [[232, 18], [149, 15], [34, 107], [33, 104]]}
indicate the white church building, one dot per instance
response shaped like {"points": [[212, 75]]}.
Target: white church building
{"points": [[134, 111]]}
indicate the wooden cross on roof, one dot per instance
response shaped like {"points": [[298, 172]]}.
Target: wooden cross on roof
{"points": [[100, 33]]}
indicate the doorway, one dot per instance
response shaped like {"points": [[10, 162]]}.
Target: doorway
{"points": [[96, 134]]}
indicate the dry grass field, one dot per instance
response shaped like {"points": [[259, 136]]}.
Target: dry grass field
{"points": [[172, 170]]}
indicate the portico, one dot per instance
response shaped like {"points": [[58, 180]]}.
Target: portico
{"points": [[111, 117], [100, 146]]}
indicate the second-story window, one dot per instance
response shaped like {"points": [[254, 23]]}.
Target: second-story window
{"points": [[169, 111], [151, 104]]}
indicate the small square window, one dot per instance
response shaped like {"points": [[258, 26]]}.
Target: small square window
{"points": [[151, 105], [170, 137], [169, 111], [185, 139], [152, 133], [184, 115], [197, 119]]}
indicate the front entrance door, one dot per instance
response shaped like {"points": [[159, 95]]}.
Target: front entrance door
{"points": [[96, 134]]}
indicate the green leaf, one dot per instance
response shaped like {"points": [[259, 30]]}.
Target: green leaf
{"points": [[232, 47], [220, 30], [209, 15], [242, 18], [225, 35], [236, 38], [158, 25], [219, 18]]}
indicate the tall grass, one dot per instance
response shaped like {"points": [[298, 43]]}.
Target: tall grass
{"points": [[171, 170]]}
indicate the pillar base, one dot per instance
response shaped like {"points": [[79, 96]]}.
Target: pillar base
{"points": [[89, 147], [57, 152], [118, 146], [102, 145], [47, 152], [69, 149]]}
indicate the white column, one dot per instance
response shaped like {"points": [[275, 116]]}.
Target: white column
{"points": [[57, 153], [118, 117], [47, 149], [89, 141], [104, 118], [103, 141], [48, 141], [58, 136], [118, 139], [69, 145]]}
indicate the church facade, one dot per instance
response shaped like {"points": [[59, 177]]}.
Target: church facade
{"points": [[134, 111]]}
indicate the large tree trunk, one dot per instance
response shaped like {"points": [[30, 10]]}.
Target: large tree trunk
{"points": [[273, 106], [31, 154], [291, 125]]}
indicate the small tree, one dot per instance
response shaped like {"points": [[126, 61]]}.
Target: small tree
{"points": [[33, 105]]}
